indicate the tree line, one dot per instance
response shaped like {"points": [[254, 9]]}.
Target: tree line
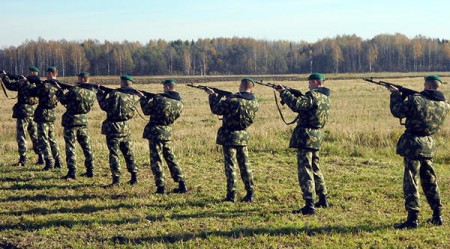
{"points": [[222, 56]]}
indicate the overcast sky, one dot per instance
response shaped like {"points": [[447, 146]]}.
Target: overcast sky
{"points": [[295, 20]]}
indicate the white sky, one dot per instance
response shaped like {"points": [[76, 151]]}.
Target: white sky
{"points": [[133, 20]]}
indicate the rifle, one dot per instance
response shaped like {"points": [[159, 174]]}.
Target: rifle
{"points": [[216, 90], [403, 90], [107, 90], [295, 92], [63, 86]]}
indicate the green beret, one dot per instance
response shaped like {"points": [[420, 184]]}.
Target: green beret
{"points": [[127, 77], [249, 79], [34, 69], [82, 74], [433, 77], [51, 69], [168, 81], [316, 76]]}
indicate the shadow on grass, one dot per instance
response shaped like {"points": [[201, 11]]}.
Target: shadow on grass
{"points": [[65, 223], [87, 209], [249, 232], [225, 214], [41, 197], [12, 179], [28, 186]]}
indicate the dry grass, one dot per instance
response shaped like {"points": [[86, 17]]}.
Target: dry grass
{"points": [[358, 158]]}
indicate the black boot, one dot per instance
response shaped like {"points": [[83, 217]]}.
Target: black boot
{"points": [[322, 203], [181, 188], [231, 197], [160, 190], [89, 173], [308, 209], [115, 182], [133, 179], [411, 222], [436, 219], [48, 165], [40, 159], [249, 197], [22, 161], [70, 175], [58, 163]]}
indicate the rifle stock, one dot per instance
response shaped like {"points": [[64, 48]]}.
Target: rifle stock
{"points": [[403, 90], [295, 92], [220, 92]]}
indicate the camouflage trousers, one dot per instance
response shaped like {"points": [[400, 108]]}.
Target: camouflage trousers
{"points": [[71, 136], [424, 169], [24, 125], [310, 176], [159, 149], [47, 142], [231, 153], [124, 145]]}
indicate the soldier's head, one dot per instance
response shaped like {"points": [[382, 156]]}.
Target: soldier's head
{"points": [[315, 80], [247, 85], [432, 82], [83, 77], [169, 85], [51, 73], [33, 71], [126, 81]]}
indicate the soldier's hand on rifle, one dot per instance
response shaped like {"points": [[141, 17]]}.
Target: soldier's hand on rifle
{"points": [[22, 79], [209, 90], [139, 93], [393, 89], [279, 88]]}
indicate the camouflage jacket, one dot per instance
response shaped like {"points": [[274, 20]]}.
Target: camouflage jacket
{"points": [[163, 109], [313, 109], [425, 113], [48, 100], [120, 106], [239, 112], [78, 101], [25, 105]]}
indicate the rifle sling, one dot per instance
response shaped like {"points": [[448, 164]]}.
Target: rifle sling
{"points": [[4, 91], [279, 111]]}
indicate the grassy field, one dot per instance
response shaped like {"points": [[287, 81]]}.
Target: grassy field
{"points": [[363, 174]]}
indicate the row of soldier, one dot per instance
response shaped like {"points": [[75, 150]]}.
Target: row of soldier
{"points": [[425, 113]]}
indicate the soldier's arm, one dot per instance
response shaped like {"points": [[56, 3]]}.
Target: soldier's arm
{"points": [[12, 86], [217, 105], [103, 100], [64, 98], [147, 105], [297, 104], [32, 90], [398, 106]]}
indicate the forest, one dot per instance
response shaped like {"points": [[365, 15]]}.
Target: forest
{"points": [[224, 56]]}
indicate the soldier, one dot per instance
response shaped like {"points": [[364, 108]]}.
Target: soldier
{"points": [[120, 106], [425, 113], [163, 109], [239, 111], [45, 116], [78, 102], [313, 109], [23, 112]]}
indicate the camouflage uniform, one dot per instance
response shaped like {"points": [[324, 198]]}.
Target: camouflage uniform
{"points": [[313, 110], [45, 116], [78, 101], [239, 112], [163, 109], [425, 114], [23, 111], [120, 106]]}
